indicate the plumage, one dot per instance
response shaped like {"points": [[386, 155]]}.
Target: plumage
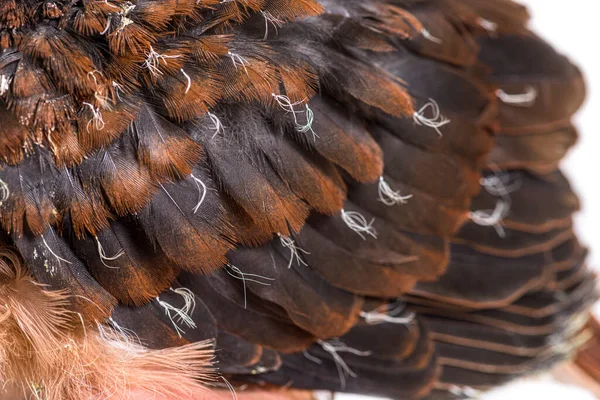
{"points": [[359, 196]]}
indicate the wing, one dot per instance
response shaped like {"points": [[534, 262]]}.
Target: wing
{"points": [[355, 196]]}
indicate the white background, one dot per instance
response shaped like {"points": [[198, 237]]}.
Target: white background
{"points": [[573, 26]]}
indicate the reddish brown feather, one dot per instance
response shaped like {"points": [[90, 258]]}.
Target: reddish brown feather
{"points": [[128, 186], [91, 20], [287, 10], [37, 214], [210, 49], [204, 91], [378, 89], [170, 158], [300, 81], [62, 57], [96, 131], [66, 147], [12, 14], [347, 143], [394, 20], [88, 214], [14, 137], [133, 40]]}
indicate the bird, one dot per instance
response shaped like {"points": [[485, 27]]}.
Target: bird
{"points": [[358, 196]]}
